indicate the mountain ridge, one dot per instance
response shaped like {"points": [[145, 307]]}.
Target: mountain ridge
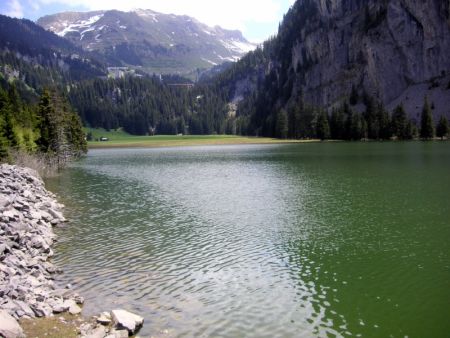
{"points": [[329, 52], [149, 40]]}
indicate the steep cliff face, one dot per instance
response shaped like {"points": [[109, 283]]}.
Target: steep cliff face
{"points": [[382, 47]]}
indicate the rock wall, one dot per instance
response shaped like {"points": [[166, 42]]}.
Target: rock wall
{"points": [[383, 47]]}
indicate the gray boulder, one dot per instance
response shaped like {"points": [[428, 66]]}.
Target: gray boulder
{"points": [[74, 309], [104, 318], [118, 334], [89, 331], [127, 320], [9, 327]]}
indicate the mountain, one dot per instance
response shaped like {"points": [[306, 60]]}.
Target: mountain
{"points": [[382, 47], [148, 40], [327, 52], [335, 69], [34, 58]]}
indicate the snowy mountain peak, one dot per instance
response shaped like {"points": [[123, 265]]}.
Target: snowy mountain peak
{"points": [[156, 42]]}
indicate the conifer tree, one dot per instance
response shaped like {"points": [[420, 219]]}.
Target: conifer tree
{"points": [[410, 130], [358, 127], [399, 123], [384, 123], [281, 124], [337, 124], [370, 115], [47, 124], [426, 125], [442, 129], [349, 117], [7, 121], [323, 127], [75, 135]]}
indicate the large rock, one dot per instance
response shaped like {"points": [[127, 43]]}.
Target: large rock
{"points": [[97, 332], [104, 318], [118, 334], [74, 309], [127, 320], [9, 328]]}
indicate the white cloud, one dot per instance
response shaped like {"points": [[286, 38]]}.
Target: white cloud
{"points": [[14, 9], [34, 5], [232, 14]]}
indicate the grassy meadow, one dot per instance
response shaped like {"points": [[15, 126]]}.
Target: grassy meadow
{"points": [[119, 138]]}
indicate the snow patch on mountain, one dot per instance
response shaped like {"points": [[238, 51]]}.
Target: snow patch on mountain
{"points": [[183, 38], [209, 61], [238, 46], [76, 26]]}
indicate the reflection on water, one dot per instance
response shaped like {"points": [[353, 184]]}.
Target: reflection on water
{"points": [[263, 241]]}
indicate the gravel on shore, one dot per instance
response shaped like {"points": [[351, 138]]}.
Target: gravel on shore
{"points": [[28, 213]]}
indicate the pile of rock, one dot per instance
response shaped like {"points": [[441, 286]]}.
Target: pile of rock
{"points": [[27, 213], [114, 324]]}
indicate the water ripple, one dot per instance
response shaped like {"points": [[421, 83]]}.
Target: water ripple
{"points": [[273, 241]]}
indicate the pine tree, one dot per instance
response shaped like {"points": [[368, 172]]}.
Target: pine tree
{"points": [[349, 117], [75, 135], [61, 132], [410, 131], [399, 123], [7, 121], [370, 115], [323, 127], [358, 127], [4, 144], [47, 124], [426, 125], [281, 124], [384, 123], [4, 149], [442, 129], [337, 124]]}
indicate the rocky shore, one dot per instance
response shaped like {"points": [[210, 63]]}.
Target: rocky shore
{"points": [[28, 213]]}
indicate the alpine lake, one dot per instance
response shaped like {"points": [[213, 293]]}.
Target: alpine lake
{"points": [[295, 240]]}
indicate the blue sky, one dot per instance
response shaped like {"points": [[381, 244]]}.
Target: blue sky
{"points": [[257, 19]]}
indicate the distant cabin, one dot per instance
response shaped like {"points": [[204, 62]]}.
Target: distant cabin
{"points": [[104, 139]]}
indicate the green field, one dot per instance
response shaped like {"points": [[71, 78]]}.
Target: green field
{"points": [[119, 138]]}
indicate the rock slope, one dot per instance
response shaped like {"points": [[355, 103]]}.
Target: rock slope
{"points": [[383, 47], [397, 51], [27, 213]]}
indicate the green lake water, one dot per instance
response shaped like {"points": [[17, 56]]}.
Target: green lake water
{"points": [[306, 240]]}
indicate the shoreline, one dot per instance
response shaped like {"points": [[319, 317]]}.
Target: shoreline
{"points": [[189, 141], [29, 296], [173, 143]]}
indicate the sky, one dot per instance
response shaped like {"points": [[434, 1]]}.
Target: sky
{"points": [[257, 19]]}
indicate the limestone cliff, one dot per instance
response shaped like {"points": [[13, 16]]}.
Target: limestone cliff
{"points": [[382, 47]]}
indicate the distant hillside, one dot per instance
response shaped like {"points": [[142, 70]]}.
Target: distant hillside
{"points": [[328, 52], [151, 41], [35, 58]]}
